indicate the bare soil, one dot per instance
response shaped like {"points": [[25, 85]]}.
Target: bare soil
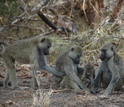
{"points": [[60, 97]]}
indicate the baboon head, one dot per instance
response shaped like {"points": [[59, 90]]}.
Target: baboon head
{"points": [[75, 53], [89, 69], [44, 45], [107, 52]]}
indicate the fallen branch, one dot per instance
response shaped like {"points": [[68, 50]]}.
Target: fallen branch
{"points": [[50, 24], [45, 34], [53, 26]]}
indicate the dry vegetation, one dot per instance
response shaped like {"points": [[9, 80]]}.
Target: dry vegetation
{"points": [[87, 32]]}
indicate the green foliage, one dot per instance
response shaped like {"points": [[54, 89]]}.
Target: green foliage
{"points": [[8, 7]]}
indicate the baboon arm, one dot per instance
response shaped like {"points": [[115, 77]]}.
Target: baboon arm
{"points": [[51, 70], [42, 61], [98, 76], [111, 85], [114, 80]]}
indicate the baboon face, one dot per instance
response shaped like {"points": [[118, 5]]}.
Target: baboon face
{"points": [[89, 70], [75, 53], [44, 45], [1, 48], [107, 52]]}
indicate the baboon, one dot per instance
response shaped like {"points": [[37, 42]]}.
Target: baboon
{"points": [[30, 51], [88, 75], [110, 71], [68, 63]]}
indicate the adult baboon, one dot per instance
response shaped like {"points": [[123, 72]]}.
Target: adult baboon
{"points": [[110, 71], [68, 63], [88, 75], [30, 51]]}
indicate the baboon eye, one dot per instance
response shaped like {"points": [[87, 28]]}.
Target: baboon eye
{"points": [[42, 40], [112, 48], [72, 49], [103, 50], [48, 47]]}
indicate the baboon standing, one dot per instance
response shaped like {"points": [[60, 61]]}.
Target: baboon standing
{"points": [[30, 51]]}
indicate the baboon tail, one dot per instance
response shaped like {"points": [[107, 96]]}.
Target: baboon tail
{"points": [[3, 43], [2, 46]]}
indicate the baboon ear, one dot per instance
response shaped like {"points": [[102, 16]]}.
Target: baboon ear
{"points": [[72, 49], [42, 40]]}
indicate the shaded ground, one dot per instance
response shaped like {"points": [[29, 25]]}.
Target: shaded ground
{"points": [[59, 98]]}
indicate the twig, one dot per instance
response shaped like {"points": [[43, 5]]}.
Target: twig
{"points": [[45, 34], [69, 90], [95, 9], [27, 27], [85, 11], [21, 18]]}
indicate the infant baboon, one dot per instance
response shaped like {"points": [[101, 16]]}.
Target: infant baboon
{"points": [[88, 75], [29, 51], [68, 63], [110, 71]]}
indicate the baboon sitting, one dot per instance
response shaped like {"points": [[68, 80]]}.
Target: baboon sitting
{"points": [[68, 63], [30, 51], [110, 71], [88, 75]]}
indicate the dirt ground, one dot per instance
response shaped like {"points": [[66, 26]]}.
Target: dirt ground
{"points": [[59, 98]]}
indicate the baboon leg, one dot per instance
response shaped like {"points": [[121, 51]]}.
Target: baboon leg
{"points": [[13, 78], [67, 83], [11, 72], [35, 79], [74, 85], [72, 76], [34, 67], [75, 78], [5, 83]]}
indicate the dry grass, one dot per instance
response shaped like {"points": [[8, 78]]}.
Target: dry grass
{"points": [[41, 98]]}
